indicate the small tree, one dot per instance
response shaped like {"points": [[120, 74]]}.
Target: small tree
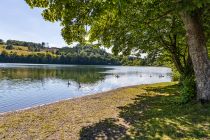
{"points": [[9, 47], [1, 41]]}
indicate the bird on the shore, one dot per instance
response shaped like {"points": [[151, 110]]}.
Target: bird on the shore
{"points": [[117, 76]]}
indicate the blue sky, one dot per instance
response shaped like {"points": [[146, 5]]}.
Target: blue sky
{"points": [[20, 22]]}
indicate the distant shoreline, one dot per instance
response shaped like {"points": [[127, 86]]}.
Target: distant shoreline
{"points": [[81, 65]]}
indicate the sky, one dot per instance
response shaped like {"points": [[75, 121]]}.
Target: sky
{"points": [[20, 22]]}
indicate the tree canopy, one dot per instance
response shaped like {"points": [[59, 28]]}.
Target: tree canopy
{"points": [[178, 27], [75, 15]]}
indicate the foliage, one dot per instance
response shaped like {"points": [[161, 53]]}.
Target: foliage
{"points": [[9, 47], [209, 50], [153, 27], [187, 89], [1, 41], [148, 26], [131, 61], [30, 52], [30, 45], [80, 54], [50, 58]]}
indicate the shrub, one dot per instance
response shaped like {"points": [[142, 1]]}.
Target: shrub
{"points": [[176, 75], [9, 47], [188, 89]]}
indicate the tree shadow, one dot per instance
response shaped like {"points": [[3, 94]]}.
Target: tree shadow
{"points": [[105, 129], [155, 115]]}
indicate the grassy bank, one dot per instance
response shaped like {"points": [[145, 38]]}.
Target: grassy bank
{"points": [[141, 112]]}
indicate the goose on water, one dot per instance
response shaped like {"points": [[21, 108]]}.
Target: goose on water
{"points": [[117, 76], [69, 83]]}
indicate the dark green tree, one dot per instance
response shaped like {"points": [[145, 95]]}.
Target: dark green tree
{"points": [[1, 41], [9, 47]]}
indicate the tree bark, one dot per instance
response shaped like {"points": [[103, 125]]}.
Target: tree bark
{"points": [[172, 49], [177, 63], [198, 52]]}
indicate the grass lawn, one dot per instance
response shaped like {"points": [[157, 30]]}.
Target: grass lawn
{"points": [[20, 50], [140, 112]]}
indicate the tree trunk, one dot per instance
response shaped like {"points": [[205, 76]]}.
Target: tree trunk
{"points": [[198, 53], [177, 63]]}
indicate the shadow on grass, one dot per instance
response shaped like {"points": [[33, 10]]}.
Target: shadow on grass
{"points": [[106, 129], [154, 115]]}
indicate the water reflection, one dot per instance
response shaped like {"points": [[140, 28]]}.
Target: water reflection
{"points": [[23, 86], [32, 74]]}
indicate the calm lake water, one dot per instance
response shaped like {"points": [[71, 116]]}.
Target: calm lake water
{"points": [[28, 85]]}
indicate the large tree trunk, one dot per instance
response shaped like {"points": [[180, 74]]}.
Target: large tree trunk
{"points": [[198, 53]]}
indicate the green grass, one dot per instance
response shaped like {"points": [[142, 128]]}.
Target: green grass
{"points": [[155, 114], [20, 50], [1, 48], [141, 112], [160, 117], [23, 48]]}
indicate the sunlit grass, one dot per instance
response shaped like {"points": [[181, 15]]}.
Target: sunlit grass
{"points": [[156, 115], [21, 50]]}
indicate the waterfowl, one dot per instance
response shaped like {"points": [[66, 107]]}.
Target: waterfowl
{"points": [[117, 76], [161, 75], [69, 83]]}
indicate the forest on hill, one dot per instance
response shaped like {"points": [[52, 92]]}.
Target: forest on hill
{"points": [[14, 51]]}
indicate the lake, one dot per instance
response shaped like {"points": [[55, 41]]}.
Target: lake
{"points": [[28, 85]]}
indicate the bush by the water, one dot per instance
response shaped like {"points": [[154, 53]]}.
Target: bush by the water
{"points": [[188, 89]]}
